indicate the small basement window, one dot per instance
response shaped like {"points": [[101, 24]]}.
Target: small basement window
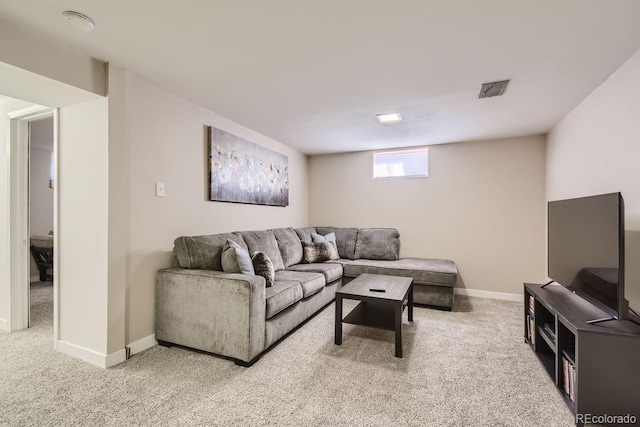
{"points": [[410, 163]]}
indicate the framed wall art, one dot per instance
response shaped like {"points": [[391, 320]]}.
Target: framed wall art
{"points": [[243, 172]]}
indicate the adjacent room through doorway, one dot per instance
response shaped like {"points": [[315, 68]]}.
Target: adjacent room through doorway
{"points": [[41, 184]]}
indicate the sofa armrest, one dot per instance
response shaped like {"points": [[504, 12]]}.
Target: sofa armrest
{"points": [[222, 313]]}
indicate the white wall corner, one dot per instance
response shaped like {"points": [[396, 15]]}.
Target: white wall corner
{"points": [[4, 325], [488, 294], [143, 344]]}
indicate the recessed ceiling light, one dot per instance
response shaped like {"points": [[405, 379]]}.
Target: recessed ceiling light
{"points": [[78, 21], [389, 118]]}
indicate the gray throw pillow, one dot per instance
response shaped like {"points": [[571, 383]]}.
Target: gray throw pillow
{"points": [[236, 259], [319, 252], [263, 267], [331, 237]]}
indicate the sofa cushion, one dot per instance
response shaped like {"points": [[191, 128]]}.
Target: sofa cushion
{"points": [[378, 243], [311, 283], [341, 261], [203, 252], [427, 271], [318, 252], [345, 239], [289, 246], [281, 295], [264, 241], [331, 271], [304, 233], [236, 259], [263, 267]]}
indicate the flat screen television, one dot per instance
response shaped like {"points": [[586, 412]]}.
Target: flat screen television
{"points": [[586, 249]]}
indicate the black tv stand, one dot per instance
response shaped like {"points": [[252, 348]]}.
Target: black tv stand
{"points": [[594, 364]]}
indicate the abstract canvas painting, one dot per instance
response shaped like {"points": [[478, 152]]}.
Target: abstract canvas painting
{"points": [[243, 172]]}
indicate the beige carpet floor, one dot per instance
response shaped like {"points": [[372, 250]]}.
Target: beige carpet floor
{"points": [[469, 367]]}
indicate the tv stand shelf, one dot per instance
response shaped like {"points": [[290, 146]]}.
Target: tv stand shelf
{"points": [[596, 367]]}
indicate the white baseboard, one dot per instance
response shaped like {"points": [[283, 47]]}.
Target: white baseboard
{"points": [[82, 353], [104, 360], [4, 325], [34, 279], [115, 358], [143, 343], [135, 347], [489, 294]]}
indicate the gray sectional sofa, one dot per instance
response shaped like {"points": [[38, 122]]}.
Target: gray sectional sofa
{"points": [[235, 315]]}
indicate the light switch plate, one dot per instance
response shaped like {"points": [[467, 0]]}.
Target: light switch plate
{"points": [[159, 189]]}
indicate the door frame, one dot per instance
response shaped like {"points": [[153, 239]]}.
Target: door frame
{"points": [[19, 214]]}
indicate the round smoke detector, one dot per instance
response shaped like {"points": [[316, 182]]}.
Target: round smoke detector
{"points": [[78, 21]]}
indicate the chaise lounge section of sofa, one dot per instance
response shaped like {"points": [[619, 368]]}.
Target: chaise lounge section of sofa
{"points": [[377, 251], [237, 316]]}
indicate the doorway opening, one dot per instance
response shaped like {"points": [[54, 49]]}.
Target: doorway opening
{"points": [[41, 179], [27, 127]]}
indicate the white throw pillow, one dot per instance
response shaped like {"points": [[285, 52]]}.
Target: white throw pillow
{"points": [[236, 259], [318, 238]]}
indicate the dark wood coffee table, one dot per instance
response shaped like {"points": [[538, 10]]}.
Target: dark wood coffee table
{"points": [[382, 310]]}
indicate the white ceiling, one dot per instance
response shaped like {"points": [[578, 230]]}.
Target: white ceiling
{"points": [[313, 74]]}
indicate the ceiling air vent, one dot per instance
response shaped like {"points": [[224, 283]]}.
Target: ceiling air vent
{"points": [[493, 89]]}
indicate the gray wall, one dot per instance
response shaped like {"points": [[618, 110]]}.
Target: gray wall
{"points": [[482, 206]]}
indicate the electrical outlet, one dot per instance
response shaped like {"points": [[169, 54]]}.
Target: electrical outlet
{"points": [[159, 189]]}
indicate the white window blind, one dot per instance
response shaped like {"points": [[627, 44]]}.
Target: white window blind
{"points": [[411, 163]]}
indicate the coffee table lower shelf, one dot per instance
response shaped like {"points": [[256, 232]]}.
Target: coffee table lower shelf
{"points": [[380, 316]]}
